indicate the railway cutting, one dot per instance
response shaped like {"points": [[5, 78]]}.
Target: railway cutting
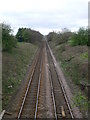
{"points": [[44, 95]]}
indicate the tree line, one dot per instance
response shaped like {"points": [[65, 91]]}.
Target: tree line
{"points": [[28, 35], [73, 38], [9, 41]]}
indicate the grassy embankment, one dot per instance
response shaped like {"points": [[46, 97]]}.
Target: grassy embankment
{"points": [[14, 68], [73, 60], [74, 63]]}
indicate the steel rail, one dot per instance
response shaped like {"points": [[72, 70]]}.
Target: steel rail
{"points": [[21, 108], [38, 89], [54, 104], [64, 93], [52, 93]]}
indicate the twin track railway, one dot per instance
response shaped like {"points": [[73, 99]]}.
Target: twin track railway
{"points": [[29, 107]]}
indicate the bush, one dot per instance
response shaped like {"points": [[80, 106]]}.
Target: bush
{"points": [[80, 101], [64, 37], [59, 38], [79, 38], [8, 40], [28, 35]]}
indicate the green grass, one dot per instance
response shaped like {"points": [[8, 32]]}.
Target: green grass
{"points": [[84, 55], [81, 101], [71, 70], [14, 68]]}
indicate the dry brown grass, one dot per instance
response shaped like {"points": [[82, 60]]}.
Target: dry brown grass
{"points": [[14, 68]]}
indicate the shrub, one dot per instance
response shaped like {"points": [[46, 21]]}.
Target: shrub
{"points": [[80, 101], [79, 38], [8, 40], [28, 35], [59, 38]]}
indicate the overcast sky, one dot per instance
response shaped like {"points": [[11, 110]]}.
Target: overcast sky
{"points": [[44, 15]]}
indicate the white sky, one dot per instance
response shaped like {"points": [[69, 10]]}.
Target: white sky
{"points": [[44, 15]]}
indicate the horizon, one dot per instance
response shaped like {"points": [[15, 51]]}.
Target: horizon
{"points": [[45, 16]]}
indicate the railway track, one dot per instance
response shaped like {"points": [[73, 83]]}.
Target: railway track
{"points": [[29, 107], [61, 105], [29, 104]]}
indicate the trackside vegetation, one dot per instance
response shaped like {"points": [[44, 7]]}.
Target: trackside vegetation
{"points": [[71, 51], [79, 38], [8, 40], [28, 35], [17, 54], [73, 38]]}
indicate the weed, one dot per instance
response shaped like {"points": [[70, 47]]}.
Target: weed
{"points": [[84, 55], [80, 101]]}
